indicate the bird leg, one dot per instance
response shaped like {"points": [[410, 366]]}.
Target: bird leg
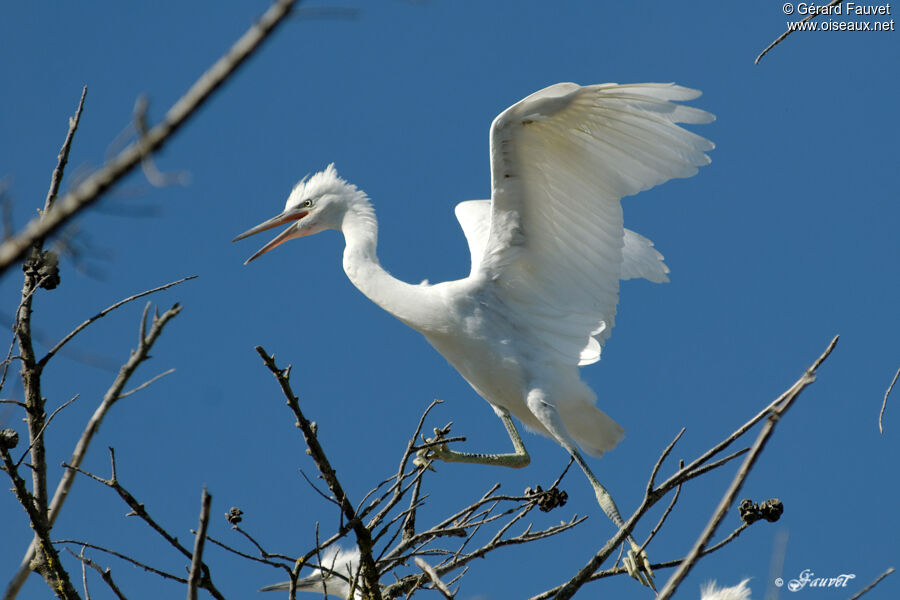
{"points": [[515, 460], [636, 562]]}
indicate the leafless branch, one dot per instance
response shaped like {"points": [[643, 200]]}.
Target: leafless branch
{"points": [[103, 313], [884, 402], [50, 568], [41, 271], [237, 552], [651, 483], [105, 574], [728, 498], [781, 37], [139, 510], [7, 362], [259, 547], [91, 189], [666, 513], [773, 411], [435, 578], [363, 535], [140, 354], [199, 541], [44, 427], [63, 158], [146, 384], [871, 585], [80, 556], [124, 557]]}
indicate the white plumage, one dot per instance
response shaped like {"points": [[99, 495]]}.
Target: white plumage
{"points": [[338, 569], [548, 251], [738, 592]]}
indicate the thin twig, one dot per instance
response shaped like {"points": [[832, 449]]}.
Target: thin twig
{"points": [[105, 312], [715, 464], [884, 402], [199, 541], [139, 510], [87, 594], [146, 384], [126, 558], [725, 503], [363, 534], [871, 585], [259, 547], [435, 578], [237, 552], [662, 457], [44, 427], [63, 158], [665, 514], [781, 37], [105, 574]]}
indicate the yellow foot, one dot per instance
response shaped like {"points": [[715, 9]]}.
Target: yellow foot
{"points": [[638, 565], [426, 456]]}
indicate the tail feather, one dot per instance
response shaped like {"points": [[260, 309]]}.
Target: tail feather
{"points": [[594, 431]]}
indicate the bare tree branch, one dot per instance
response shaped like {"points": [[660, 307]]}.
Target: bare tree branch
{"points": [[569, 588], [105, 574], [651, 483], [104, 312], [435, 578], [138, 509], [114, 392], [63, 158], [765, 433], [124, 557], [871, 585], [884, 402], [146, 384], [665, 514], [87, 594], [781, 37], [199, 541], [363, 535], [50, 567], [91, 189], [44, 428]]}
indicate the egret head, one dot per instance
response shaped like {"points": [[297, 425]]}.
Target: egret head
{"points": [[316, 203]]}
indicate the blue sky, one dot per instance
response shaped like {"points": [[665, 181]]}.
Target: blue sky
{"points": [[788, 238]]}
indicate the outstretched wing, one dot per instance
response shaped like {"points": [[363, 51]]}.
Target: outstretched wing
{"points": [[561, 160], [474, 217], [640, 260]]}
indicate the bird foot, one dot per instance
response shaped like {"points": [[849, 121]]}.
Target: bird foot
{"points": [[638, 566], [437, 451]]}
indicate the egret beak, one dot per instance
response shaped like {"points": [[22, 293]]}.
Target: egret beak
{"points": [[292, 216]]}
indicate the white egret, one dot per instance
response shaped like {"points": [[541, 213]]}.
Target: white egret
{"points": [[338, 570], [547, 253]]}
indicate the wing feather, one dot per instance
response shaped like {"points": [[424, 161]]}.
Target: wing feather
{"points": [[561, 160]]}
